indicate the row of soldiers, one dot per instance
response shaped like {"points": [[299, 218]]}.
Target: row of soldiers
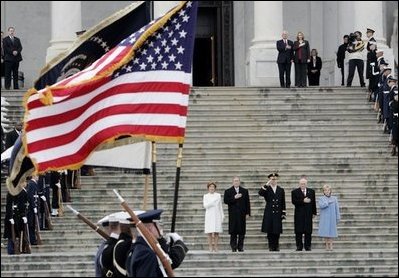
{"points": [[126, 252], [383, 91], [29, 212]]}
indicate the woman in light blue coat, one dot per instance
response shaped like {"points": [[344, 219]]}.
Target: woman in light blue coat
{"points": [[329, 217]]}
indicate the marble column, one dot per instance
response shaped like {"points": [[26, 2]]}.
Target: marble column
{"points": [[262, 55], [161, 7], [66, 19]]}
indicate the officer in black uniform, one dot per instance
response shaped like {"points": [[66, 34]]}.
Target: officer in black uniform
{"points": [[394, 113], [274, 211], [142, 260], [122, 247], [105, 253], [43, 190], [371, 61]]}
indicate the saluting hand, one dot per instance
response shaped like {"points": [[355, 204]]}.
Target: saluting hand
{"points": [[306, 200]]}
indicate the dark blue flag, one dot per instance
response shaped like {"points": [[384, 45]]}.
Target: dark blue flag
{"points": [[95, 43]]}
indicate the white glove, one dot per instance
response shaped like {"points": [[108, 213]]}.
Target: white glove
{"points": [[58, 184], [174, 236], [12, 221], [43, 198], [25, 219], [35, 210]]}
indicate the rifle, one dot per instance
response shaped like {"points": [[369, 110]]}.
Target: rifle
{"points": [[148, 237], [60, 203], [37, 228], [26, 241], [47, 215], [13, 238], [88, 222]]}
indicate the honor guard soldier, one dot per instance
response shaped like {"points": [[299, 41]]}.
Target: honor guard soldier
{"points": [[274, 211], [370, 35], [105, 255], [142, 260], [394, 113]]}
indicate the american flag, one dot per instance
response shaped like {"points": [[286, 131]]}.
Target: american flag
{"points": [[140, 88]]}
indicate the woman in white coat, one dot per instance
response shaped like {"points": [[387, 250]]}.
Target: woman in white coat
{"points": [[213, 216]]}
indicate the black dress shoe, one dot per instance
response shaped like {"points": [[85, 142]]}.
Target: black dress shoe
{"points": [[298, 249], [240, 250], [308, 249], [234, 250]]}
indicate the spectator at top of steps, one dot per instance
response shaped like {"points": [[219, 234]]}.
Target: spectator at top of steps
{"points": [[12, 56]]}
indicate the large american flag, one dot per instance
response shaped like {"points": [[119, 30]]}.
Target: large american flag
{"points": [[140, 88]]}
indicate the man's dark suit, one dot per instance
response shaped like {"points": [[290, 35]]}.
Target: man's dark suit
{"points": [[11, 137], [284, 58], [11, 61], [238, 211]]}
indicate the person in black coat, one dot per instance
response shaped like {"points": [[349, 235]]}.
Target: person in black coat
{"points": [[237, 199], [142, 260], [13, 135], [341, 58], [12, 56], [304, 200], [314, 68], [394, 130], [301, 59], [284, 59], [274, 211], [17, 208]]}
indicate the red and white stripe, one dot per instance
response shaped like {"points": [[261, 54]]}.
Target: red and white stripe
{"points": [[151, 105]]}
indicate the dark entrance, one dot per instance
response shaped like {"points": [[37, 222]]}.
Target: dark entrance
{"points": [[213, 63]]}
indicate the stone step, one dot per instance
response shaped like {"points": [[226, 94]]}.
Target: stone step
{"points": [[370, 270], [205, 256], [288, 227], [73, 264]]}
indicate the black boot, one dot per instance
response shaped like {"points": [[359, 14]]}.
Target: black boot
{"points": [[393, 152]]}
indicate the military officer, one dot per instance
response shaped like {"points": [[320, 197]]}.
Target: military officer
{"points": [[142, 260], [370, 35], [274, 211]]}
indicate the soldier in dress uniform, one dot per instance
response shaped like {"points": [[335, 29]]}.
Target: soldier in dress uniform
{"points": [[371, 41], [43, 190], [304, 200], [371, 61], [104, 262], [383, 87], [394, 131], [142, 260], [31, 206], [14, 216], [274, 211]]}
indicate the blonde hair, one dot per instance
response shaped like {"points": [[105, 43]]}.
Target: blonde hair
{"points": [[297, 36], [326, 187]]}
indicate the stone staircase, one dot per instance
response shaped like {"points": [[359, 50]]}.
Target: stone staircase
{"points": [[329, 134]]}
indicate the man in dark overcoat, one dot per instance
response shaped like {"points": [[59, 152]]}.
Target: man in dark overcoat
{"points": [[274, 211], [237, 199], [304, 200]]}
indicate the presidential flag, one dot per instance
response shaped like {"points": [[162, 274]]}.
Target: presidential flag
{"points": [[138, 89], [95, 42], [89, 47]]}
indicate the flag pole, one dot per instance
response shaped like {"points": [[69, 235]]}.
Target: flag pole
{"points": [[145, 197], [147, 236], [154, 173], [177, 181]]}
